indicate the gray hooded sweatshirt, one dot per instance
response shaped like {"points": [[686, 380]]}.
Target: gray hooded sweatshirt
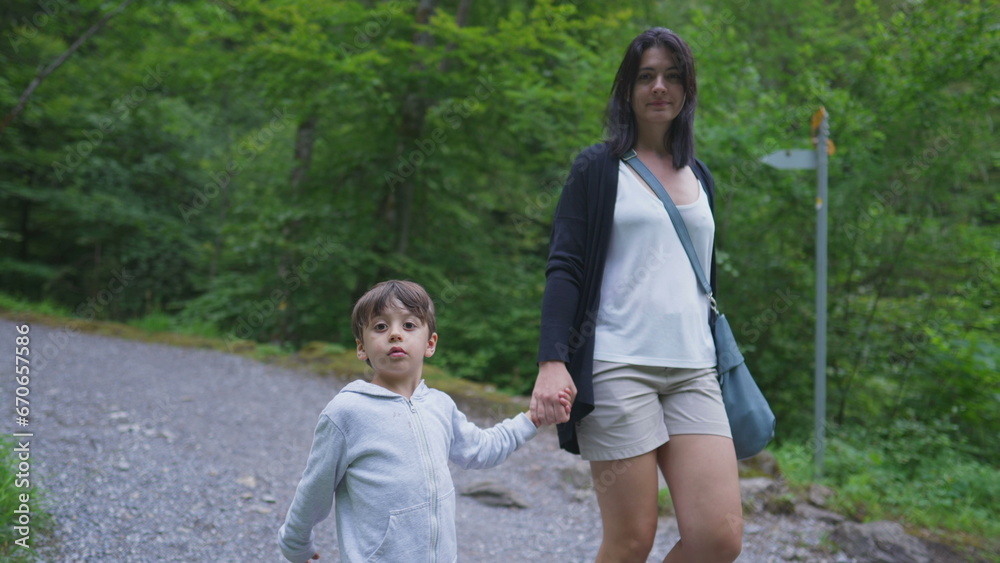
{"points": [[384, 458]]}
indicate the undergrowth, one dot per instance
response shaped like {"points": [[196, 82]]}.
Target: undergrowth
{"points": [[910, 473], [19, 516]]}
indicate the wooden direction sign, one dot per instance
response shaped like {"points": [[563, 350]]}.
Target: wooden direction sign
{"points": [[791, 159], [798, 159]]}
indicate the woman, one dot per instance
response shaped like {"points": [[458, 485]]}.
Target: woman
{"points": [[626, 325]]}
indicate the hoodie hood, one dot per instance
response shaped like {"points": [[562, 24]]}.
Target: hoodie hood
{"points": [[372, 390]]}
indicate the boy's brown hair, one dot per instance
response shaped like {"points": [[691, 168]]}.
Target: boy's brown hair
{"points": [[380, 297]]}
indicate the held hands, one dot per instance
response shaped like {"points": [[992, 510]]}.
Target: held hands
{"points": [[565, 401], [549, 404]]}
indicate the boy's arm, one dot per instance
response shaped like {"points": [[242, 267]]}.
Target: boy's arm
{"points": [[314, 495], [476, 448]]}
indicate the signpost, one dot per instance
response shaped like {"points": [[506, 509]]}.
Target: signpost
{"points": [[796, 159]]}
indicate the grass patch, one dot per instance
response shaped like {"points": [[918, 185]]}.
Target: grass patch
{"points": [[18, 305], [268, 350], [10, 500], [162, 322], [924, 483], [664, 503]]}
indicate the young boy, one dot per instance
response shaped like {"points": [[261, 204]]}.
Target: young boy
{"points": [[381, 449]]}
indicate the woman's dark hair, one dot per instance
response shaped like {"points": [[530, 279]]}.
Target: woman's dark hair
{"points": [[619, 120]]}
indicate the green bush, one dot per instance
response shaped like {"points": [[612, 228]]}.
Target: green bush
{"points": [[155, 322], [16, 304], [162, 322], [920, 475], [664, 503]]}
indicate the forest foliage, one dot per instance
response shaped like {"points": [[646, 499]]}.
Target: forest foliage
{"points": [[254, 166]]}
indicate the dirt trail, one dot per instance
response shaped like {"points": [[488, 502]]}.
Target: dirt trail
{"points": [[157, 453]]}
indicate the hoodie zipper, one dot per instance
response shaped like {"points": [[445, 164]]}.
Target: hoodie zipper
{"points": [[425, 453]]}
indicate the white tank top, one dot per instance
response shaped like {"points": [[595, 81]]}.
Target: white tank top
{"points": [[653, 312]]}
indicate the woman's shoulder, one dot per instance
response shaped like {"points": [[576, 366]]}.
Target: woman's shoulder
{"points": [[701, 170], [596, 153], [703, 174]]}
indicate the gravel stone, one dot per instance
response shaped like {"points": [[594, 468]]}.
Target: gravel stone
{"points": [[149, 452]]}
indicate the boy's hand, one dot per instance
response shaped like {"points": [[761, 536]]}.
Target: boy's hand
{"points": [[546, 406], [565, 398]]}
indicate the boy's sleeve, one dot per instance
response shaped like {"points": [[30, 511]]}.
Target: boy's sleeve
{"points": [[475, 448], [314, 495]]}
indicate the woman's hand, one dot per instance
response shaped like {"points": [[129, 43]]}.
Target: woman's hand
{"points": [[563, 399], [546, 406]]}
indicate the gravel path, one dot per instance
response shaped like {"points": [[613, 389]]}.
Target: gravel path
{"points": [[156, 453]]}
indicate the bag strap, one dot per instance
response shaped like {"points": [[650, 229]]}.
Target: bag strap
{"points": [[632, 159]]}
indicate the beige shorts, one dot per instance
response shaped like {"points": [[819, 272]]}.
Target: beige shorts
{"points": [[638, 408]]}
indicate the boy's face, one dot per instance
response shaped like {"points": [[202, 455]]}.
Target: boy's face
{"points": [[396, 342]]}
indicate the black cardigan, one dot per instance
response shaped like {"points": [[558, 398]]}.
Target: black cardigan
{"points": [[581, 232]]}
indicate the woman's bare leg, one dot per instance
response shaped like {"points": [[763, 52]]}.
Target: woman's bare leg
{"points": [[704, 484], [627, 493]]}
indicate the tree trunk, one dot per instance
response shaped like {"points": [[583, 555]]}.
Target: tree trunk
{"points": [[218, 241], [414, 112], [461, 19], [305, 137], [25, 222]]}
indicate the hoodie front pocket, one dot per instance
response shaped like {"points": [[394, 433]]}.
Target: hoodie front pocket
{"points": [[407, 536]]}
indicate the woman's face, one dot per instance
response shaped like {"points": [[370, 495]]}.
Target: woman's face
{"points": [[658, 94]]}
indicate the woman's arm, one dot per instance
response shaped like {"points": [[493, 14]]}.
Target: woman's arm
{"points": [[564, 281]]}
